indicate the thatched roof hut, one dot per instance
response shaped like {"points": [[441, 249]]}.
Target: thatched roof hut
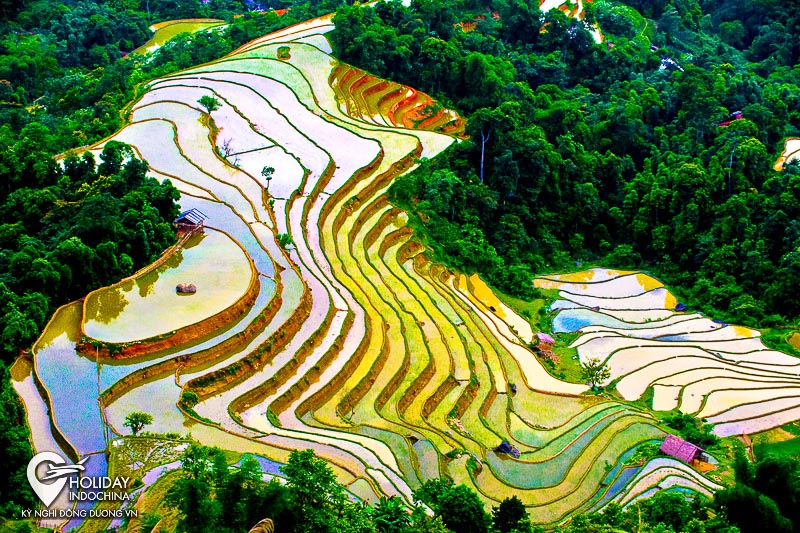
{"points": [[681, 449]]}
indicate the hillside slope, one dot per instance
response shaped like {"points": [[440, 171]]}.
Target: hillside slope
{"points": [[346, 340]]}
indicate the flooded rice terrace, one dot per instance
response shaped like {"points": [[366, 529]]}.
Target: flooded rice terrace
{"points": [[149, 305]]}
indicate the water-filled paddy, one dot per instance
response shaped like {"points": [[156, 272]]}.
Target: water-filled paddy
{"points": [[35, 407], [557, 468], [268, 466], [148, 305], [539, 437], [623, 479], [167, 30], [63, 373], [794, 340], [362, 490], [791, 151], [695, 364], [487, 297], [620, 287], [37, 413], [592, 275], [428, 459], [575, 319]]}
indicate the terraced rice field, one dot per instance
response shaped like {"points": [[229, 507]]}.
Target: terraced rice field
{"points": [[348, 340], [213, 262], [573, 9], [791, 151], [720, 372], [164, 31]]}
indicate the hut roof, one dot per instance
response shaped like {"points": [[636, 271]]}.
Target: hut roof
{"points": [[544, 338], [506, 448], [192, 216], [679, 448]]}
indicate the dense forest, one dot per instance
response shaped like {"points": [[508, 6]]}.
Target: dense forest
{"points": [[68, 232], [621, 153], [211, 496]]}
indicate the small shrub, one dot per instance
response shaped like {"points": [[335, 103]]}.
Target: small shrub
{"points": [[285, 240], [189, 399], [643, 453], [113, 348], [453, 454], [148, 522], [273, 418], [692, 429]]}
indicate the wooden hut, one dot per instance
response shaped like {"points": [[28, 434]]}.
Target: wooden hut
{"points": [[190, 222], [681, 449], [544, 339], [508, 449]]}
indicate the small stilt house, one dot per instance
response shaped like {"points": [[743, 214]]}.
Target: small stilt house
{"points": [[681, 449], [545, 340], [508, 449], [544, 346], [190, 222]]}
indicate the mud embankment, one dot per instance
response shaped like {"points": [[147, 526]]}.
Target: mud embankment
{"points": [[466, 398], [410, 249], [417, 385], [259, 393], [397, 379], [227, 377], [58, 436], [436, 398], [324, 394], [312, 376], [358, 392]]}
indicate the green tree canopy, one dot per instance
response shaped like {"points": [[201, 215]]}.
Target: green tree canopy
{"points": [[137, 420]]}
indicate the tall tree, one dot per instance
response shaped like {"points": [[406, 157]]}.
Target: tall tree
{"points": [[318, 498], [510, 516]]}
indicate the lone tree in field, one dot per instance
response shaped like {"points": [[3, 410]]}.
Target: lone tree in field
{"points": [[594, 372], [267, 172], [209, 102], [137, 420]]}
